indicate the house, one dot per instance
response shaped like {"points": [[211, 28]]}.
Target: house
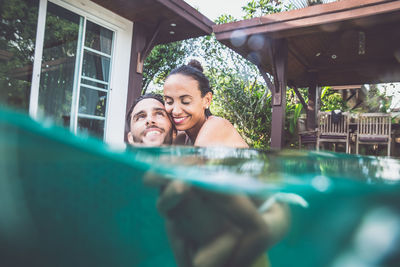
{"points": [[79, 63]]}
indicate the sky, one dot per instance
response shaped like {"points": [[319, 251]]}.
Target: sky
{"points": [[214, 8]]}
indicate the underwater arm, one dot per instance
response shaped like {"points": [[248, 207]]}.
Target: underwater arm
{"points": [[180, 248], [171, 194], [278, 220], [257, 241], [242, 212], [256, 230]]}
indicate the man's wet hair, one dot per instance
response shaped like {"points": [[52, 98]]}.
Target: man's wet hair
{"points": [[157, 97]]}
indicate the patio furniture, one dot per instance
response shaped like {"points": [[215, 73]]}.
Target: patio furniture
{"points": [[374, 128], [333, 128], [306, 137]]}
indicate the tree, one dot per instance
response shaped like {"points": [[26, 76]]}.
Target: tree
{"points": [[377, 101], [161, 60], [17, 42], [331, 100], [257, 8]]}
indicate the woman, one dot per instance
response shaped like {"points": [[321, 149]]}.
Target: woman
{"points": [[188, 96]]}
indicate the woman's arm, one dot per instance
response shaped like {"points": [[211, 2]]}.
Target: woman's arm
{"points": [[260, 231], [242, 212], [180, 247]]}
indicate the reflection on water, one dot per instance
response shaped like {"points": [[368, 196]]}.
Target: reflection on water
{"points": [[375, 242], [84, 204], [276, 170]]}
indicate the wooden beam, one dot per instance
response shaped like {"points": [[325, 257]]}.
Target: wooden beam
{"points": [[293, 50], [267, 80], [135, 78], [280, 48], [356, 105], [309, 20], [191, 15], [300, 97], [346, 87], [152, 41], [142, 55], [351, 96], [312, 102], [357, 66]]}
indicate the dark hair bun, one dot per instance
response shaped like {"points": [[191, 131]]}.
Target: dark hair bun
{"points": [[195, 64]]}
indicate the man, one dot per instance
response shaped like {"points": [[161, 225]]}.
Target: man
{"points": [[204, 228], [148, 122]]}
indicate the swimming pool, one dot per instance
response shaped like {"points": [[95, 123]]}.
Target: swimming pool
{"points": [[73, 201]]}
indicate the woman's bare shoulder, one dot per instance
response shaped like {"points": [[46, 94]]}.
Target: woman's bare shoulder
{"points": [[218, 131], [215, 121]]}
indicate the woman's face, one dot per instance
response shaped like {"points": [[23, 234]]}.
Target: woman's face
{"points": [[183, 101]]}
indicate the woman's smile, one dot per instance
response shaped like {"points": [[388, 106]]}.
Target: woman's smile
{"points": [[180, 120]]}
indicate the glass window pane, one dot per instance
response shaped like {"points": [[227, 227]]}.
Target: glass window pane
{"points": [[95, 84], [98, 38], [91, 126], [92, 102], [95, 66], [58, 65], [18, 23]]}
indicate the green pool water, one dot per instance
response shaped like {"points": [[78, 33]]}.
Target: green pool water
{"points": [[74, 201]]}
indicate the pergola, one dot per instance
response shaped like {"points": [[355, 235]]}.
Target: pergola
{"points": [[155, 22], [342, 43]]}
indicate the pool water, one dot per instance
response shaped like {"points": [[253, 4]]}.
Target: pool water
{"points": [[74, 201]]}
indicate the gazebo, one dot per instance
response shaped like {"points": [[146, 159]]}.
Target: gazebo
{"points": [[342, 43]]}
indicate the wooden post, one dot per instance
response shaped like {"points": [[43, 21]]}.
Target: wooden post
{"points": [[135, 77], [280, 55], [312, 102]]}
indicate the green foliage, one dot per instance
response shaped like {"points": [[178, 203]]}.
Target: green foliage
{"points": [[246, 104], [161, 60], [257, 8], [225, 19], [240, 94], [293, 111], [331, 100], [377, 101], [17, 41]]}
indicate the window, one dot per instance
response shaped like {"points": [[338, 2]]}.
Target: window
{"points": [[66, 60], [75, 72]]}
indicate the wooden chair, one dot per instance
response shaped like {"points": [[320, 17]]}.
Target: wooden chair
{"points": [[374, 128], [305, 137], [333, 130]]}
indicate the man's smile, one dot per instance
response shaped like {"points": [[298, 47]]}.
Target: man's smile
{"points": [[152, 131]]}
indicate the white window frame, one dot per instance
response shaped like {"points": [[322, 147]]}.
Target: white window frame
{"points": [[114, 127]]}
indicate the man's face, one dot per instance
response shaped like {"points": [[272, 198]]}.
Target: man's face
{"points": [[150, 124]]}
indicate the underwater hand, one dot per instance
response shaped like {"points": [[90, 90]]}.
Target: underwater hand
{"points": [[171, 196]]}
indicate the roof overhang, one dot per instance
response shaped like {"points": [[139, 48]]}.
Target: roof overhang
{"points": [[345, 42], [177, 19]]}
